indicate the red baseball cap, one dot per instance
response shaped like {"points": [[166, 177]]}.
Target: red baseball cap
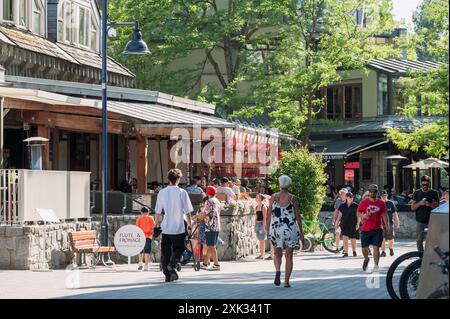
{"points": [[210, 190]]}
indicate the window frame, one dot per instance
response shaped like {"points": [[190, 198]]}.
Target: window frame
{"points": [[87, 14], [13, 2], [41, 9], [340, 90]]}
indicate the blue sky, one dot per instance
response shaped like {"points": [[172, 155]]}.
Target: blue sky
{"points": [[403, 9]]}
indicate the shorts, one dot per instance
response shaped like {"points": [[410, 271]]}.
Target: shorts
{"points": [[389, 235], [260, 233], [148, 246], [211, 238], [373, 237]]}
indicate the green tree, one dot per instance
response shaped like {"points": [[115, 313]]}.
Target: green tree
{"points": [[217, 31], [319, 42], [308, 179], [426, 93]]}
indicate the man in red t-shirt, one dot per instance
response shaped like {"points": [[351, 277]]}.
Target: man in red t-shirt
{"points": [[371, 211]]}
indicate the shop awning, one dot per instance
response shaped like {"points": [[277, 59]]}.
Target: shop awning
{"points": [[342, 148]]}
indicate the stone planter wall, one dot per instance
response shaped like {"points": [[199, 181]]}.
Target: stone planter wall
{"points": [[23, 247]]}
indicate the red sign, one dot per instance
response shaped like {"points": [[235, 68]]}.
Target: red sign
{"points": [[349, 175], [352, 165]]}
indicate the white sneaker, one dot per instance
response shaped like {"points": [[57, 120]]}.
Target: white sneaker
{"points": [[214, 268], [375, 268], [204, 267], [146, 268]]}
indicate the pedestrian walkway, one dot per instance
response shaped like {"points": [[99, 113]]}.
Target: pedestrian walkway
{"points": [[318, 275]]}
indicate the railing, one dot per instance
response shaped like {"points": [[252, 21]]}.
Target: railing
{"points": [[9, 196]]}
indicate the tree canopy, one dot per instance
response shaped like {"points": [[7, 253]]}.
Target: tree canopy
{"points": [[426, 93]]}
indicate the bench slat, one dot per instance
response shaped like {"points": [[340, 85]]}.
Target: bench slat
{"points": [[82, 235], [86, 242]]}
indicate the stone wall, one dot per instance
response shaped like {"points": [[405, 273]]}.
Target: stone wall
{"points": [[239, 239], [37, 246], [407, 228]]}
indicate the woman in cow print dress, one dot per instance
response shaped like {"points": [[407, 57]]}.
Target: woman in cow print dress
{"points": [[285, 228]]}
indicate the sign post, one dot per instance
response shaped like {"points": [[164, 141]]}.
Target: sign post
{"points": [[129, 241]]}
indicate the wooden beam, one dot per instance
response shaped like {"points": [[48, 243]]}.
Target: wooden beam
{"points": [[141, 162], [17, 104], [42, 131], [69, 122]]}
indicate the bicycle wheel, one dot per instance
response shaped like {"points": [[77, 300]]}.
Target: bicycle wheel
{"points": [[440, 293], [409, 280], [307, 244], [395, 270], [329, 242]]}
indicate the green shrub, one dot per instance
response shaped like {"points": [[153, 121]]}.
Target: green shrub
{"points": [[308, 179]]}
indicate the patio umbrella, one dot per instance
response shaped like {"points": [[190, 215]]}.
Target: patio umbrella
{"points": [[428, 163]]}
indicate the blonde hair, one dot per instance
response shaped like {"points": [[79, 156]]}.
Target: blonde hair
{"points": [[284, 181]]}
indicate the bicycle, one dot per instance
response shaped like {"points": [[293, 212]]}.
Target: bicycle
{"points": [[319, 234], [397, 268], [440, 292]]}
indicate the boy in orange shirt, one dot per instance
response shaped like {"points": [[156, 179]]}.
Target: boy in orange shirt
{"points": [[146, 223]]}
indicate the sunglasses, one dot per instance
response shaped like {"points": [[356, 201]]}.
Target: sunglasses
{"points": [[425, 184], [373, 191]]}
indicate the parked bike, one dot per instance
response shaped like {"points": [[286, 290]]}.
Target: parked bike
{"points": [[318, 234], [442, 291], [397, 268]]}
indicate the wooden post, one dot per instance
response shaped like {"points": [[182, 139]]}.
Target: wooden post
{"points": [[42, 131], [141, 162], [171, 164]]}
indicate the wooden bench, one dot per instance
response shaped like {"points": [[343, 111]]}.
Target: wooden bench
{"points": [[86, 242]]}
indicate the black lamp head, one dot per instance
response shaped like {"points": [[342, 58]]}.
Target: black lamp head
{"points": [[136, 46]]}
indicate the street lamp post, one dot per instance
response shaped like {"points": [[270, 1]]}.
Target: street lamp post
{"points": [[134, 47]]}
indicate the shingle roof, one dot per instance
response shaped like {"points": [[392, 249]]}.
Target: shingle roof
{"points": [[35, 43], [401, 67]]}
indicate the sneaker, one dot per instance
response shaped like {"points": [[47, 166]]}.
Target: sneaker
{"points": [[269, 258], [146, 268], [354, 254], [259, 257], [214, 268], [375, 268], [383, 254], [204, 267], [365, 264], [173, 273], [140, 266], [391, 252], [345, 255]]}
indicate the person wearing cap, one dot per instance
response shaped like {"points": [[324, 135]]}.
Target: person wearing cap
{"points": [[146, 223], [347, 220], [212, 229], [393, 222], [372, 211], [339, 201]]}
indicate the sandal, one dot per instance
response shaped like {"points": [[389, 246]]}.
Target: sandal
{"points": [[277, 280], [259, 257]]}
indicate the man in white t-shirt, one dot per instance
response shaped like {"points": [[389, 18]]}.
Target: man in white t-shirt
{"points": [[175, 203]]}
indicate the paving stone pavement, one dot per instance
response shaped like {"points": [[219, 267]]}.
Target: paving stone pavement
{"points": [[318, 275]]}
